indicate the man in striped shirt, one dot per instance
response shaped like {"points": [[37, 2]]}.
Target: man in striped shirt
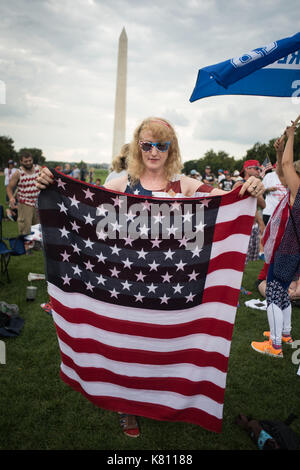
{"points": [[25, 180]]}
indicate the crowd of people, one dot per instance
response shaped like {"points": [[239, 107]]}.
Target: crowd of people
{"points": [[152, 164]]}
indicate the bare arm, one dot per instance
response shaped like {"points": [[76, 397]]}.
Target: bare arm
{"points": [[11, 187], [117, 184], [289, 172]]}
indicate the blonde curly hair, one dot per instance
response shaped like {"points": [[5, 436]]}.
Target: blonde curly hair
{"points": [[297, 167], [162, 131], [119, 162]]}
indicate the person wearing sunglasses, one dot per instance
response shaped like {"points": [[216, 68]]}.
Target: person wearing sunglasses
{"points": [[155, 165], [154, 169]]}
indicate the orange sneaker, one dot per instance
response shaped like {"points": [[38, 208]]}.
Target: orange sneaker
{"points": [[285, 339], [266, 347]]}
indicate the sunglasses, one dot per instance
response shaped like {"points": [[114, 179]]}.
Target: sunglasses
{"points": [[254, 167], [160, 146]]}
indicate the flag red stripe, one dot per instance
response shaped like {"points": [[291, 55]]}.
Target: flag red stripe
{"points": [[231, 258], [150, 410], [224, 294], [197, 357], [240, 225], [172, 384], [209, 326]]}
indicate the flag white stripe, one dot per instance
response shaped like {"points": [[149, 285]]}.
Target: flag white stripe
{"points": [[216, 310], [186, 371], [119, 340], [221, 277], [160, 397], [229, 244], [237, 209]]}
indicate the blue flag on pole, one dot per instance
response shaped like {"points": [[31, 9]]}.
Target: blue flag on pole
{"points": [[272, 70]]}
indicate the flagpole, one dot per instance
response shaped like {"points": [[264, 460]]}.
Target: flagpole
{"points": [[294, 123]]}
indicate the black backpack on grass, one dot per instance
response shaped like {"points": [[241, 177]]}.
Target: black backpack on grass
{"points": [[285, 437]]}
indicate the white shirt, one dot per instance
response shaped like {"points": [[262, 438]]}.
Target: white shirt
{"points": [[8, 172], [273, 198]]}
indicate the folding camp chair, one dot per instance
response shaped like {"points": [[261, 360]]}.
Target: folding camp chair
{"points": [[16, 248], [4, 251]]}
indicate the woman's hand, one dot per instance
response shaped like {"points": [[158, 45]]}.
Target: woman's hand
{"points": [[290, 130], [253, 186], [44, 179]]}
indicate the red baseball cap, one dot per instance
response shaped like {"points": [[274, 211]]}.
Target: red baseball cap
{"points": [[248, 163]]}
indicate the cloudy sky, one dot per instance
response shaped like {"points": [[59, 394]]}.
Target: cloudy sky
{"points": [[58, 61]]}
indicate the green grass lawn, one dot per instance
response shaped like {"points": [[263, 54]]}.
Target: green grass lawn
{"points": [[39, 412]]}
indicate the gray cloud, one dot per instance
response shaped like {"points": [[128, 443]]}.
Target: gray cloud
{"points": [[58, 60]]}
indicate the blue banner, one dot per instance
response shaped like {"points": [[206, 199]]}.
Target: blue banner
{"points": [[272, 70]]}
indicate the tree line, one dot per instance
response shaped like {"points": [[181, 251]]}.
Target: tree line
{"points": [[222, 160], [8, 152], [216, 160]]}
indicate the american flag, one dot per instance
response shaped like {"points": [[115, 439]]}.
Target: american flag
{"points": [[144, 310]]}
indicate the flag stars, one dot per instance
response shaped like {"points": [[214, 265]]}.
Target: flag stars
{"points": [[101, 279], [89, 266], [65, 256], [114, 272], [196, 251], [180, 266], [164, 299], [88, 243], [177, 289], [142, 253], [118, 201], [88, 219], [190, 297], [75, 227], [101, 211], [126, 285], [127, 263], [166, 277], [66, 279], [156, 242], [74, 201], [193, 276], [169, 254], [89, 286], [64, 232], [114, 293], [88, 194], [153, 266], [139, 297], [75, 248], [101, 258], [140, 276], [151, 288], [115, 250], [60, 183], [62, 207], [76, 270]]}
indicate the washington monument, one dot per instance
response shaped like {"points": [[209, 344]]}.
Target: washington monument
{"points": [[120, 100]]}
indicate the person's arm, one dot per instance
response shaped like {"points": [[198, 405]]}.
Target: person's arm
{"points": [[253, 186], [11, 188], [117, 184], [291, 177], [279, 147]]}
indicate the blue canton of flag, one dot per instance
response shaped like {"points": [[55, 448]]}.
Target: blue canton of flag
{"points": [[272, 70]]}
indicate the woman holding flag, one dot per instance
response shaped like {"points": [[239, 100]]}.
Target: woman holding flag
{"points": [[154, 167], [282, 253]]}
